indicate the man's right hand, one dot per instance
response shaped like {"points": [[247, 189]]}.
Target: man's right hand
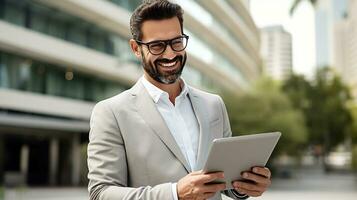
{"points": [[194, 185]]}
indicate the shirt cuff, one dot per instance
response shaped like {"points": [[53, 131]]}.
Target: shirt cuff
{"points": [[174, 190]]}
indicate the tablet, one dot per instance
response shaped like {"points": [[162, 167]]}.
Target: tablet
{"points": [[234, 155]]}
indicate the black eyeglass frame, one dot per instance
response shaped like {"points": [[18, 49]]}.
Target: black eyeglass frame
{"points": [[167, 42]]}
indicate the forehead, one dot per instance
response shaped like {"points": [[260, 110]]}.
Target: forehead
{"points": [[160, 29]]}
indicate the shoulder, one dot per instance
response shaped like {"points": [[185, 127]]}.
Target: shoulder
{"points": [[116, 102], [206, 96]]}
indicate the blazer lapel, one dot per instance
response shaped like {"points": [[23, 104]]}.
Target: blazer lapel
{"points": [[147, 109], [204, 138]]}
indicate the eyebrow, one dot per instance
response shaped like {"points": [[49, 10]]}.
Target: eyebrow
{"points": [[162, 40]]}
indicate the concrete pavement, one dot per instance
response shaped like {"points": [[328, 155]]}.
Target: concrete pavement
{"points": [[307, 184]]}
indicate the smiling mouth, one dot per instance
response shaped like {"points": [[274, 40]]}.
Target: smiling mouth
{"points": [[168, 65]]}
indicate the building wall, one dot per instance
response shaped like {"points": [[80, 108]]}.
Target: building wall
{"points": [[341, 46], [327, 14], [58, 58], [345, 41], [276, 50], [351, 55]]}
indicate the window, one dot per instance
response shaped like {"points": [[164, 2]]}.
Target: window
{"points": [[38, 78], [2, 8], [77, 34], [28, 75], [127, 4], [57, 28], [38, 23], [14, 13], [96, 41], [38, 17], [3, 72]]}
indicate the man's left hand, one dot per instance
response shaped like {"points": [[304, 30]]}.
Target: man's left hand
{"points": [[258, 181]]}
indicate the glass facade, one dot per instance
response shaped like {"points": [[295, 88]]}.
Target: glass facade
{"points": [[195, 78], [51, 22], [128, 4], [210, 21], [33, 76], [201, 49]]}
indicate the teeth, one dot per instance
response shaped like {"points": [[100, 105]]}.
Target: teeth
{"points": [[168, 64]]}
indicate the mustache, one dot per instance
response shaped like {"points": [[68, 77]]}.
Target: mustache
{"points": [[165, 60]]}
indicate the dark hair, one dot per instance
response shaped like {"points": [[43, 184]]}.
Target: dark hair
{"points": [[153, 10]]}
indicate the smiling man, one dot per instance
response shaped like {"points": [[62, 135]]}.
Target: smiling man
{"points": [[151, 141]]}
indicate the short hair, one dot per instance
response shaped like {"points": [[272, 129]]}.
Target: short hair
{"points": [[153, 10]]}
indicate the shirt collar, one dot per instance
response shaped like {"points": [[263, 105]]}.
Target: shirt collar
{"points": [[157, 93]]}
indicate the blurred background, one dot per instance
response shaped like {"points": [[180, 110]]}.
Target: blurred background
{"points": [[281, 65]]}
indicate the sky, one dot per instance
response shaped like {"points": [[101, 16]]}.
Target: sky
{"points": [[301, 25]]}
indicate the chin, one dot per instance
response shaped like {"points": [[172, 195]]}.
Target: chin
{"points": [[171, 79]]}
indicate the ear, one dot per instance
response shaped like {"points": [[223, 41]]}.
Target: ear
{"points": [[135, 48]]}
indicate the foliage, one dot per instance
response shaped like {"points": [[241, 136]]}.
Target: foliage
{"points": [[354, 139], [324, 104], [2, 193], [354, 126], [267, 109]]}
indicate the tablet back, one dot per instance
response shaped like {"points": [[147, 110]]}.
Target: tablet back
{"points": [[237, 154]]}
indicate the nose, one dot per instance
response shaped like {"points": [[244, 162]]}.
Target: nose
{"points": [[169, 52]]}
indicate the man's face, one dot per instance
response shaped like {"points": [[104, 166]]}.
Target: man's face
{"points": [[167, 67]]}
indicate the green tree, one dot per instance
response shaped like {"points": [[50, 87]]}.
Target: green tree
{"points": [[267, 109], [354, 126], [324, 104], [354, 137], [297, 88]]}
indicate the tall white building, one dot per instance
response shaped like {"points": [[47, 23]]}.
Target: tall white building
{"points": [[59, 57], [351, 63], [336, 39], [276, 50], [328, 13], [340, 43], [346, 48]]}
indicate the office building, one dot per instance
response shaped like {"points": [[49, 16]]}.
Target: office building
{"points": [[276, 50], [58, 58]]}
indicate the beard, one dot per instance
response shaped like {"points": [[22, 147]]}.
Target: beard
{"points": [[154, 69]]}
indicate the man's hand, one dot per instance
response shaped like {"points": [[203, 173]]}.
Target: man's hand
{"points": [[258, 181], [194, 185]]}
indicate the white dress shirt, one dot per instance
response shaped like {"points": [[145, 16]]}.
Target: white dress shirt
{"points": [[180, 119]]}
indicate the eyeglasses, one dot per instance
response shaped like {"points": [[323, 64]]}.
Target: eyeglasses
{"points": [[158, 47]]}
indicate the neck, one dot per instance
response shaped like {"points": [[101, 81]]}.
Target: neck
{"points": [[173, 89]]}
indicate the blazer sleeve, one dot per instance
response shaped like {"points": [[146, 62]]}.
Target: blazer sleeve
{"points": [[108, 173], [227, 132]]}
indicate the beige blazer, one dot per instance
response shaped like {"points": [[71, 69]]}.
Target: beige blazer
{"points": [[131, 152]]}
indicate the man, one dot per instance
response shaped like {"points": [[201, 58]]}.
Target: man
{"points": [[151, 141]]}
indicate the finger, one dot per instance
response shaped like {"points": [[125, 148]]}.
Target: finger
{"points": [[256, 178], [262, 171], [208, 195], [198, 197], [206, 178], [251, 193], [213, 187], [240, 191], [248, 186]]}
